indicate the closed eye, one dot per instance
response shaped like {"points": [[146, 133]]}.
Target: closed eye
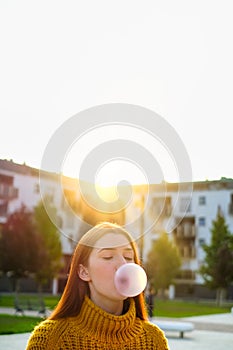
{"points": [[128, 258]]}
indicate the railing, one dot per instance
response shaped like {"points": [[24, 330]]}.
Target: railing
{"points": [[185, 231], [186, 275], [188, 251], [230, 208], [8, 192]]}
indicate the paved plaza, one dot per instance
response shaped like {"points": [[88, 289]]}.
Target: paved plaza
{"points": [[213, 332]]}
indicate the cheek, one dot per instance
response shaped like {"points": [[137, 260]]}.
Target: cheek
{"points": [[103, 271]]}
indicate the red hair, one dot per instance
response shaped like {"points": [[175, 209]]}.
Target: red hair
{"points": [[75, 290]]}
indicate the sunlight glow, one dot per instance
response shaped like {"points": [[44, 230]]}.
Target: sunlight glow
{"points": [[117, 170], [117, 173]]}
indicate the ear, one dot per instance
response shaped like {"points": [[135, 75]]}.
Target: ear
{"points": [[83, 273]]}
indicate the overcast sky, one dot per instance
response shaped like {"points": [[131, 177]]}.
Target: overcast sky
{"points": [[173, 57]]}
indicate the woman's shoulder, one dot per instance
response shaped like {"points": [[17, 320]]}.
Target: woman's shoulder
{"points": [[151, 327], [156, 333], [44, 333]]}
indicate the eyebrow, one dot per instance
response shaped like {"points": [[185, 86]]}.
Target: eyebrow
{"points": [[127, 249]]}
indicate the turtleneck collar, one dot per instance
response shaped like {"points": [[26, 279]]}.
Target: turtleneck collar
{"points": [[107, 327]]}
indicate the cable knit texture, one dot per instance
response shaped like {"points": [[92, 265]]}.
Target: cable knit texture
{"points": [[96, 329]]}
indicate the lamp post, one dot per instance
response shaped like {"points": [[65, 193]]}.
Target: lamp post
{"points": [[141, 239]]}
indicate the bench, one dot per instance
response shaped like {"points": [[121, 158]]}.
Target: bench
{"points": [[174, 326], [22, 305]]}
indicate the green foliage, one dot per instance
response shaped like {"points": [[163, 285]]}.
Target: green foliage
{"points": [[163, 262], [217, 269], [50, 249], [18, 244], [30, 244]]}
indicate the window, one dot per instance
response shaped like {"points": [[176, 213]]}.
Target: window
{"points": [[3, 208], [36, 188], [161, 206], [201, 241], [201, 221], [69, 220], [202, 200], [185, 204]]}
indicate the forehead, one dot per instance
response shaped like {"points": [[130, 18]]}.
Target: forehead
{"points": [[112, 240]]}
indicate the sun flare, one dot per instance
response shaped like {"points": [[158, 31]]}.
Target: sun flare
{"points": [[107, 194]]}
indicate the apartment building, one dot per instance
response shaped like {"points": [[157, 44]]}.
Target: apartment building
{"points": [[188, 218], [185, 212], [20, 185]]}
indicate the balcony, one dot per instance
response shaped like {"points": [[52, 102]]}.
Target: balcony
{"points": [[188, 275], [161, 207], [8, 192], [230, 208], [185, 231], [187, 251], [3, 209]]}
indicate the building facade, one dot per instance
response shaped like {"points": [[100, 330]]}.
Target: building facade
{"points": [[188, 218], [20, 185], [186, 213]]}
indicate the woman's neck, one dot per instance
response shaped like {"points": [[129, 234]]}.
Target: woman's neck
{"points": [[108, 305]]}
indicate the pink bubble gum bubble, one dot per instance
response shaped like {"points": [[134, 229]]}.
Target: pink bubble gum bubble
{"points": [[130, 280]]}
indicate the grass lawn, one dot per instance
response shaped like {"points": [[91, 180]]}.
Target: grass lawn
{"points": [[176, 308], [162, 308], [24, 299], [17, 324], [10, 324]]}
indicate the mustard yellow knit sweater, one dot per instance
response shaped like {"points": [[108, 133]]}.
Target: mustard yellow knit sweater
{"points": [[96, 329]]}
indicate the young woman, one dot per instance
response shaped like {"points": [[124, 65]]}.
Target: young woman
{"points": [[91, 313]]}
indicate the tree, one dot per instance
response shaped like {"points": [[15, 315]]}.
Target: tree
{"points": [[50, 249], [163, 263], [217, 269], [18, 245]]}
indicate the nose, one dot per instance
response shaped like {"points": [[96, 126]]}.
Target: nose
{"points": [[120, 261]]}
